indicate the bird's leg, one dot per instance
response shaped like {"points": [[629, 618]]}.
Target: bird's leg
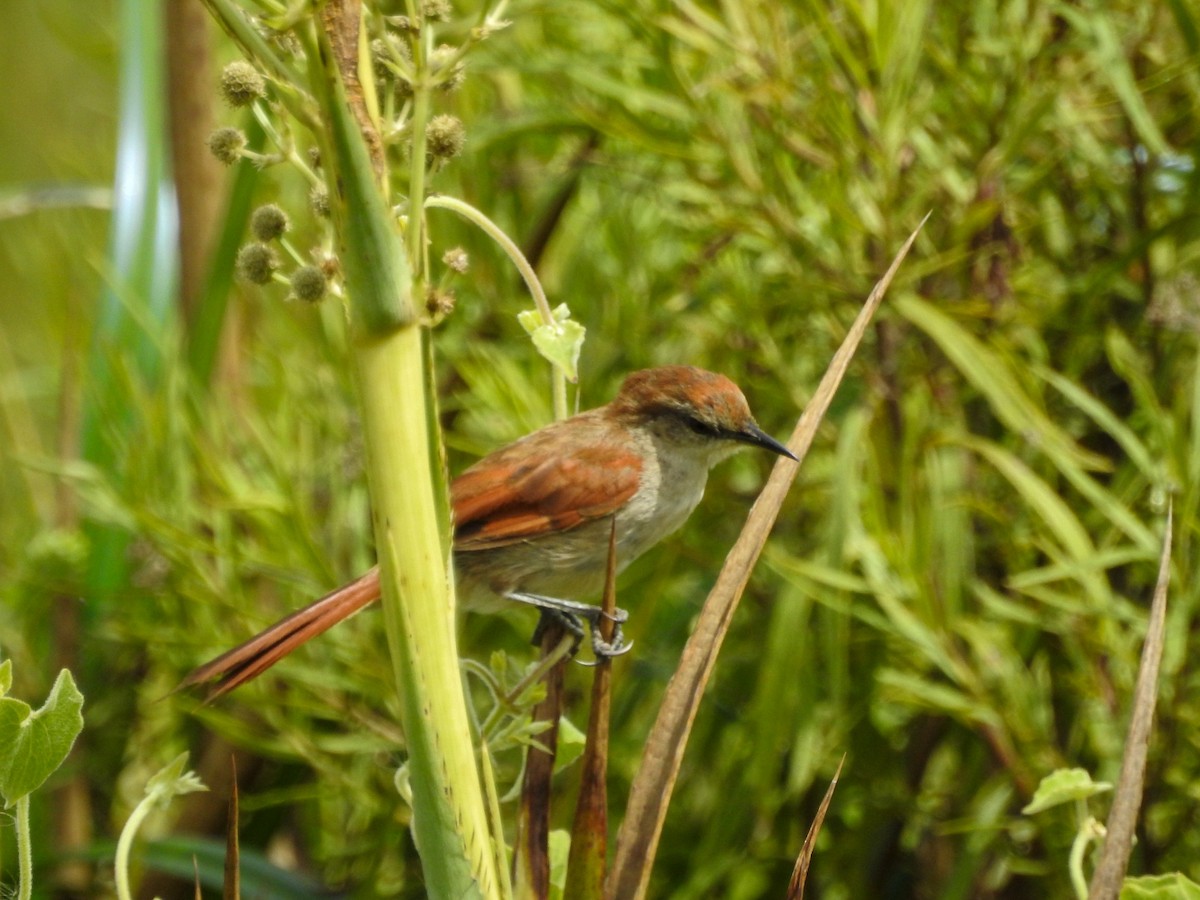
{"points": [[570, 623], [571, 612]]}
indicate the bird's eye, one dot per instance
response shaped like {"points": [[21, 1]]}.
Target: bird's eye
{"points": [[699, 426]]}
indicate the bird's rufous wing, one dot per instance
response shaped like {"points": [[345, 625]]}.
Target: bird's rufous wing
{"points": [[518, 495]]}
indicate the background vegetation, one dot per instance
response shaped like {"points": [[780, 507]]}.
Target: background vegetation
{"points": [[955, 595]]}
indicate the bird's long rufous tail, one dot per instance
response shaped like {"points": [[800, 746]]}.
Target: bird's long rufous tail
{"points": [[255, 656]]}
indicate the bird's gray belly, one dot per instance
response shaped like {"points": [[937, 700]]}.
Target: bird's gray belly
{"points": [[570, 565]]}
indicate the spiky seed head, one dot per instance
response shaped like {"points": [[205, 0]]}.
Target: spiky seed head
{"points": [[226, 144], [437, 10], [444, 137], [456, 258], [439, 303], [450, 76], [379, 52], [383, 51], [308, 284], [256, 263], [241, 83], [318, 201], [268, 223]]}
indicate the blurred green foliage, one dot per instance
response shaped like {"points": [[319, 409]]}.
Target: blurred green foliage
{"points": [[956, 592]]}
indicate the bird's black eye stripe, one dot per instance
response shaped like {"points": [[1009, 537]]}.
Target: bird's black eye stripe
{"points": [[701, 427]]}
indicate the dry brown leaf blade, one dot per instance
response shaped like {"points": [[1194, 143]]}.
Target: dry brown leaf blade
{"points": [[233, 870], [795, 889], [654, 783], [589, 832], [1127, 796], [531, 851]]}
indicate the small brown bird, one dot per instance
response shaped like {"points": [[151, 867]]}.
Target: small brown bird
{"points": [[533, 519]]}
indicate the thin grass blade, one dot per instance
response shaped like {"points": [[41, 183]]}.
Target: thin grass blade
{"points": [[531, 853]]}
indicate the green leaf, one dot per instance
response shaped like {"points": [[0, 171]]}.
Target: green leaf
{"points": [[923, 693], [1115, 66], [995, 375], [560, 341], [34, 744], [1064, 786], [172, 781], [5, 677], [1175, 886], [560, 850], [571, 743], [1058, 515]]}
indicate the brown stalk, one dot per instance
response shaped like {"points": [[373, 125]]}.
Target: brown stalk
{"points": [[341, 20], [637, 842], [233, 870], [232, 889], [589, 832], [795, 889], [531, 850], [198, 177], [1127, 797]]}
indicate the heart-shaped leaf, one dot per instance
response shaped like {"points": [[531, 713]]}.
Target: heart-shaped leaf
{"points": [[34, 744]]}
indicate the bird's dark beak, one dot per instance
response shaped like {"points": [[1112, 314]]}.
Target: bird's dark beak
{"points": [[754, 435]]}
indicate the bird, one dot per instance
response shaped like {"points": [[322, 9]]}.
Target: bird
{"points": [[533, 520]]}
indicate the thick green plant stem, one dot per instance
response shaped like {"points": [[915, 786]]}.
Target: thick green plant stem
{"points": [[378, 279], [449, 815], [408, 494]]}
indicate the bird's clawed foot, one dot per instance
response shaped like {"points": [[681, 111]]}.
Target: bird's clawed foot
{"points": [[571, 615]]}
